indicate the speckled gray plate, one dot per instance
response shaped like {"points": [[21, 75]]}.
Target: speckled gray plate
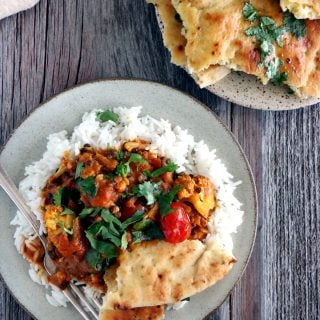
{"points": [[64, 112], [248, 91]]}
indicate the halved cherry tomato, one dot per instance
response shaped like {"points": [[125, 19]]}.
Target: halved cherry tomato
{"points": [[176, 225]]}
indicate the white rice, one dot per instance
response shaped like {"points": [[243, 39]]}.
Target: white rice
{"points": [[166, 140]]}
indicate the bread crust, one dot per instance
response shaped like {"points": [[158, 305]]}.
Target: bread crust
{"points": [[157, 273]]}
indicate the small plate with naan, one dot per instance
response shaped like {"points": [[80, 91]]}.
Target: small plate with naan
{"points": [[208, 39]]}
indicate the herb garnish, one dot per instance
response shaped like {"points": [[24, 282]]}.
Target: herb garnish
{"points": [[249, 12], [166, 199], [170, 167], [57, 197], [66, 211], [79, 168], [107, 115], [87, 186], [267, 32], [94, 259], [149, 190], [123, 169], [296, 27], [150, 231]]}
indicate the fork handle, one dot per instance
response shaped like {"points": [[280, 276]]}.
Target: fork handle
{"points": [[9, 187], [77, 305]]}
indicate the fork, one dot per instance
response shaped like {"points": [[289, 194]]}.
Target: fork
{"points": [[73, 293]]}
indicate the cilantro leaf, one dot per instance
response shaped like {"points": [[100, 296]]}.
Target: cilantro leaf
{"points": [[107, 115], [296, 27], [66, 211], [106, 234], [88, 212], [249, 12], [153, 231], [79, 168], [279, 78], [138, 215], [141, 225], [148, 190], [136, 157], [57, 197], [123, 169], [120, 155], [87, 186], [105, 248], [94, 259], [166, 199], [108, 217], [170, 167]]}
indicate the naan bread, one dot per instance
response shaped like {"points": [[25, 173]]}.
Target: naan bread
{"points": [[215, 35], [175, 42], [157, 273], [302, 9], [148, 313]]}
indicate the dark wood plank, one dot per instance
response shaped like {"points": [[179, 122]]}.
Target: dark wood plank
{"points": [[61, 43]]}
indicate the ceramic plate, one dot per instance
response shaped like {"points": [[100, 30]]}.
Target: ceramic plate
{"points": [[248, 91], [64, 111]]}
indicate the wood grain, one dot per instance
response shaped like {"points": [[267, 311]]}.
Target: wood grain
{"points": [[61, 43]]}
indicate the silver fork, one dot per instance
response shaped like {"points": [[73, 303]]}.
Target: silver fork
{"points": [[72, 292]]}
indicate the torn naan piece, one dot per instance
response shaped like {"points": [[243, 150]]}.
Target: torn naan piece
{"points": [[157, 273], [231, 33], [147, 313], [302, 9], [175, 42]]}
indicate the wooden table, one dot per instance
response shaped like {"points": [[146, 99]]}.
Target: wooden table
{"points": [[64, 42]]}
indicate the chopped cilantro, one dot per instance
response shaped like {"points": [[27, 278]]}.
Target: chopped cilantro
{"points": [[267, 32], [141, 225], [166, 199], [249, 12], [170, 167], [136, 157], [123, 169], [108, 217], [138, 215], [66, 211], [103, 247], [149, 190], [94, 259], [88, 212], [280, 78], [296, 27], [87, 186], [57, 197], [79, 168], [107, 115], [153, 231], [120, 155], [107, 234]]}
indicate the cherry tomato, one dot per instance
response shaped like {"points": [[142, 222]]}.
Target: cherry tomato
{"points": [[176, 225], [156, 163]]}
